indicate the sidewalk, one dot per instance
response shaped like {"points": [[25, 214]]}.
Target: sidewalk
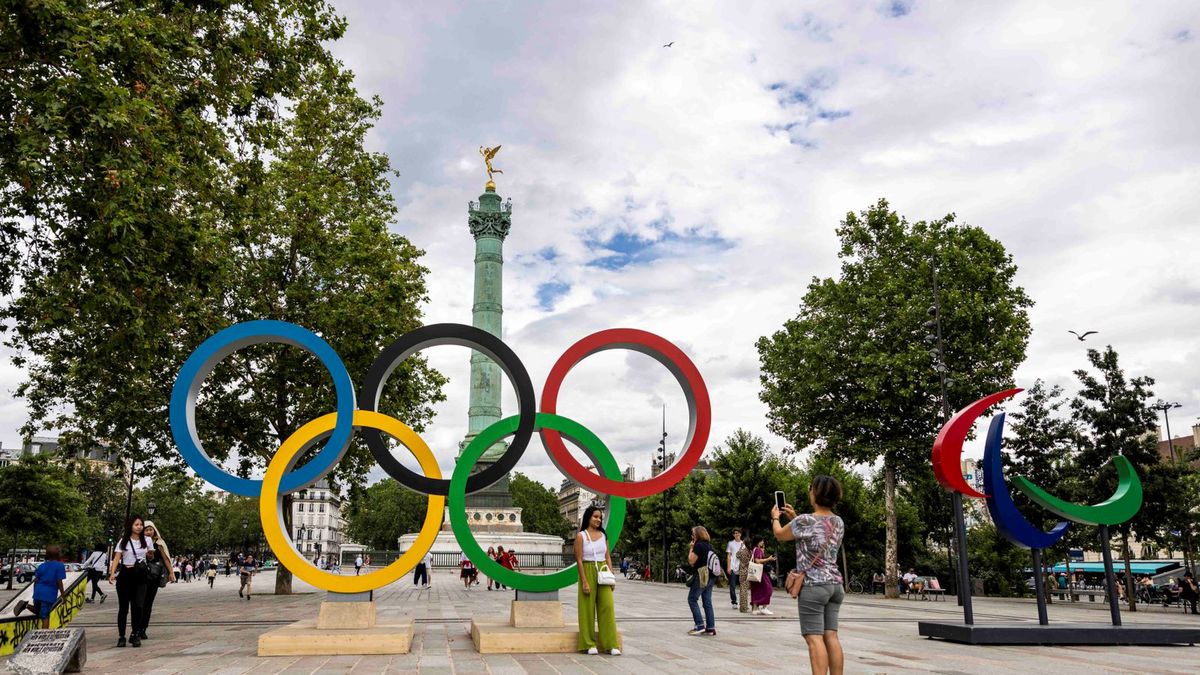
{"points": [[195, 629]]}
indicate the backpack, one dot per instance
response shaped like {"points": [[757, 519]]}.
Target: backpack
{"points": [[714, 565]]}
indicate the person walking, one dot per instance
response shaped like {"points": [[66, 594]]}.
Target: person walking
{"points": [[421, 575], [246, 570], [702, 581], [428, 569], [733, 564], [128, 572], [95, 566], [357, 564], [760, 591], [595, 598], [744, 555], [466, 570], [508, 560], [162, 555], [818, 536], [212, 575]]}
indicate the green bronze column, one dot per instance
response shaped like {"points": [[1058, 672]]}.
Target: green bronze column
{"points": [[489, 222]]}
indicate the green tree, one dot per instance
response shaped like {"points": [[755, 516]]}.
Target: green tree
{"points": [[741, 489], [1042, 448], [539, 507], [41, 504], [999, 564], [1115, 411], [184, 168], [380, 514], [850, 373]]}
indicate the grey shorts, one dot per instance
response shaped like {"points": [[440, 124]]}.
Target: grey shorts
{"points": [[819, 606]]}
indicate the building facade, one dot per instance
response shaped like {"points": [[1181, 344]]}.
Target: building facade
{"points": [[318, 527]]}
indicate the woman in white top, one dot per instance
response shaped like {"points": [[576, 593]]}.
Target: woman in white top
{"points": [[128, 568], [595, 599]]}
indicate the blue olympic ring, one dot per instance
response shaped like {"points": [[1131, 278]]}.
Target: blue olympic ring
{"points": [[209, 354]]}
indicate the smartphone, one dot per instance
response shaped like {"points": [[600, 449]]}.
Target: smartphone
{"points": [[779, 501]]}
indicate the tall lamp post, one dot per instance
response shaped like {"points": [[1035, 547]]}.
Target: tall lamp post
{"points": [[151, 507], [933, 336], [1165, 408], [210, 518], [245, 524], [662, 466]]}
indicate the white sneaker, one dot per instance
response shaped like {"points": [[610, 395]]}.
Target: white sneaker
{"points": [[767, 612], [756, 611], [593, 651], [615, 652]]}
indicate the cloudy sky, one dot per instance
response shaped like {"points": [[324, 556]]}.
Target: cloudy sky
{"points": [[693, 191]]}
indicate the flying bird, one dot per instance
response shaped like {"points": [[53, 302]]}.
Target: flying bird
{"points": [[669, 43], [1083, 337]]}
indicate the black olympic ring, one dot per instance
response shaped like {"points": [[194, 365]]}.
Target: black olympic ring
{"points": [[463, 336]]}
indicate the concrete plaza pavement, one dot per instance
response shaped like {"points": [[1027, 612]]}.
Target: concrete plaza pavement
{"points": [[196, 629]]}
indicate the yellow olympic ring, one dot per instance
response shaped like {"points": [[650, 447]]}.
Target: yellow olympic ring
{"points": [[270, 505]]}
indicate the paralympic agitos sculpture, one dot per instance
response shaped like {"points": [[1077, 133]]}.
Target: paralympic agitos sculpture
{"points": [[336, 430], [947, 455]]}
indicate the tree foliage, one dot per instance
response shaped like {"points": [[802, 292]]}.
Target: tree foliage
{"points": [[174, 168], [42, 505], [539, 507], [850, 373], [380, 514]]}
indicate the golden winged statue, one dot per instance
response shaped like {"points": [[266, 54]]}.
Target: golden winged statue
{"points": [[488, 155]]}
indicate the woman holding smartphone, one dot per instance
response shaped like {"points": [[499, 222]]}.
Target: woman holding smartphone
{"points": [[128, 571]]}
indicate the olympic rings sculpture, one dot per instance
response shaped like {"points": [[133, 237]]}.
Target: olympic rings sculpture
{"points": [[335, 430]]}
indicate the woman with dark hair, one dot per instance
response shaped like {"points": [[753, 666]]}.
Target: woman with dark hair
{"points": [[760, 591], [128, 569], [818, 536], [595, 598]]}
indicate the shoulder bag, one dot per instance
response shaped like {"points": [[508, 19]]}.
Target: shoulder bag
{"points": [[604, 575], [754, 572]]}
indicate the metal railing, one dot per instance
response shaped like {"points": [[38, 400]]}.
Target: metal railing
{"points": [[442, 560]]}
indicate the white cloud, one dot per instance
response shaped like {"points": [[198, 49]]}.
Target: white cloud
{"points": [[1065, 131]]}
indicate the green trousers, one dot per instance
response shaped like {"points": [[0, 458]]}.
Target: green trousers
{"points": [[597, 607]]}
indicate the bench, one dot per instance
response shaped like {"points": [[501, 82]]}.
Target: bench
{"points": [[934, 588]]}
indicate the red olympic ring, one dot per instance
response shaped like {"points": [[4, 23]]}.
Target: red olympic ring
{"points": [[685, 372]]}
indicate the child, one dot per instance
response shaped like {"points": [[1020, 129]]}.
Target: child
{"points": [[212, 575], [47, 586]]}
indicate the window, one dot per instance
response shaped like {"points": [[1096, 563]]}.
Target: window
{"points": [[322, 508], [310, 507]]}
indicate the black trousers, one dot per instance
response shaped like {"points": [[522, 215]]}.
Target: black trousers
{"points": [[131, 594], [148, 605], [421, 575], [95, 576]]}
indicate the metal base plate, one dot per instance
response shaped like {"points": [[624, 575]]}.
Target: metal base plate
{"points": [[1060, 634]]}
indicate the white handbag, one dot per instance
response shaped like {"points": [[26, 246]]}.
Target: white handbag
{"points": [[605, 577], [754, 572]]}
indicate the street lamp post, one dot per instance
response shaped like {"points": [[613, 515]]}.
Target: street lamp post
{"points": [[662, 465], [1165, 408], [245, 524], [934, 336], [210, 517], [151, 507]]}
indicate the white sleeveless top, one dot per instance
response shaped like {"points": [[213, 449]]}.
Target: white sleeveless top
{"points": [[593, 551]]}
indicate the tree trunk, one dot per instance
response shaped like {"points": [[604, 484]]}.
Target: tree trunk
{"points": [[283, 577], [1130, 596], [889, 505]]}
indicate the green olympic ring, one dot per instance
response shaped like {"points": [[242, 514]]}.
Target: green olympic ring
{"points": [[1118, 508], [457, 500]]}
